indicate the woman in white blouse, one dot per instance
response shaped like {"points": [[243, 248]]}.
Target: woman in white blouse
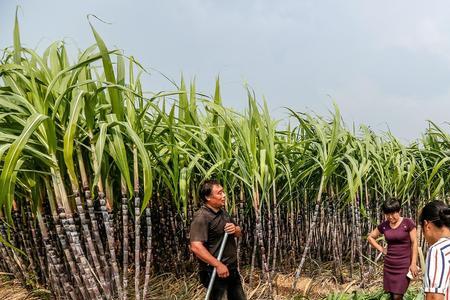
{"points": [[435, 221]]}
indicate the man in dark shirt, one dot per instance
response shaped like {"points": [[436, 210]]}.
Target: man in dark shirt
{"points": [[208, 226]]}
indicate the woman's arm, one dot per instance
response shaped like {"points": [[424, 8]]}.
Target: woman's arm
{"points": [[438, 266], [414, 251], [434, 296], [373, 240]]}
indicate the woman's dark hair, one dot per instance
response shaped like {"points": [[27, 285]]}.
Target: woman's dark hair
{"points": [[437, 212], [391, 206], [206, 188]]}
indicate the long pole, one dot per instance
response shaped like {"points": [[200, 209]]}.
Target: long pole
{"points": [[214, 273]]}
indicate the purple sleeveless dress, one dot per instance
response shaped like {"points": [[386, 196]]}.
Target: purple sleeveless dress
{"points": [[398, 257]]}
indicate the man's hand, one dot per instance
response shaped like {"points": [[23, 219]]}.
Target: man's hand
{"points": [[222, 270], [230, 228], [201, 252]]}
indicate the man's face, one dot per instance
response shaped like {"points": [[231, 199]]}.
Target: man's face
{"points": [[217, 197]]}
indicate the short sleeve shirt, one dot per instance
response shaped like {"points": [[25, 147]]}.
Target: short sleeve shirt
{"points": [[398, 237], [437, 274], [208, 227], [406, 225]]}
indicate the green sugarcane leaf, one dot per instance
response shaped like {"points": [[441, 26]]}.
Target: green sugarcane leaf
{"points": [[11, 246], [118, 150], [17, 46], [146, 165], [10, 190], [99, 149], [116, 101], [13, 156], [69, 137]]}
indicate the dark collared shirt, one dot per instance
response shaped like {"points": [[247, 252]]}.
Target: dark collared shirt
{"points": [[208, 227]]}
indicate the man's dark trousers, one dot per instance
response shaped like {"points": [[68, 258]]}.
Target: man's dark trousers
{"points": [[224, 288]]}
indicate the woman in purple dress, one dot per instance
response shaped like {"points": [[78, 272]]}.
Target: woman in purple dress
{"points": [[401, 252]]}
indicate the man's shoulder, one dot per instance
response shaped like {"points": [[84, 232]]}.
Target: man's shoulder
{"points": [[202, 212]]}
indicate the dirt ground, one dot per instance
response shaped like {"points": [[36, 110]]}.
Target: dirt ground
{"points": [[11, 289], [188, 288], [167, 286]]}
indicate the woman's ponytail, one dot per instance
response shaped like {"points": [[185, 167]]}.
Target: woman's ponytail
{"points": [[444, 216]]}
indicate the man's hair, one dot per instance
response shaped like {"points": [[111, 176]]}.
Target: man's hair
{"points": [[391, 206], [206, 188]]}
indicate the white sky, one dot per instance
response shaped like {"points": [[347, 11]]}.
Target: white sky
{"points": [[385, 63]]}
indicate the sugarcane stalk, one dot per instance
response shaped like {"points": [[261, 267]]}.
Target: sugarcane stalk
{"points": [[149, 255], [105, 207], [137, 220], [103, 266], [125, 237], [308, 240]]}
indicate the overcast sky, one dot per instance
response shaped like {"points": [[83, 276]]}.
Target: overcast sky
{"points": [[385, 63]]}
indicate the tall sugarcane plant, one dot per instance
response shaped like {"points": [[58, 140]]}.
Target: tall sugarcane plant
{"points": [[99, 178]]}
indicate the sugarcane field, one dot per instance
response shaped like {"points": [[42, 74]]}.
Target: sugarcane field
{"points": [[121, 181]]}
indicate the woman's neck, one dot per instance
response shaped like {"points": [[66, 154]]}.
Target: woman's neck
{"points": [[396, 223], [441, 233], [445, 232]]}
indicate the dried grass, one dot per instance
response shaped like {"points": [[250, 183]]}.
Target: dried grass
{"points": [[170, 287], [11, 289]]}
